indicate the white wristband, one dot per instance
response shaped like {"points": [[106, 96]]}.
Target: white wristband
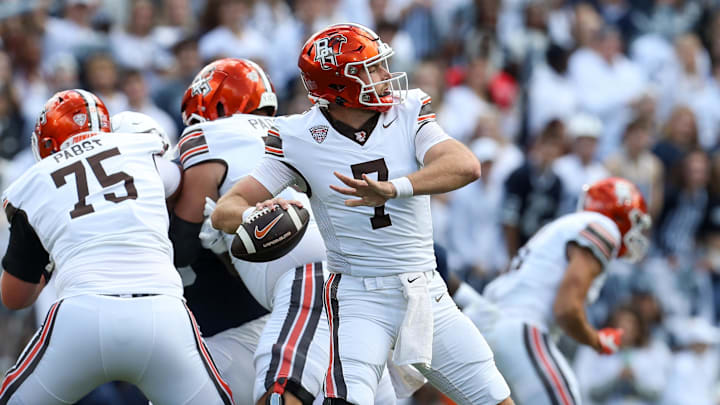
{"points": [[246, 214], [403, 187]]}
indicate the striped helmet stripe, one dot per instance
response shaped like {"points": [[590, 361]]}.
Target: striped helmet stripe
{"points": [[93, 112]]}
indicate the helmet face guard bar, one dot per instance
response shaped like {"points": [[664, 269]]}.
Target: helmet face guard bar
{"points": [[368, 94]]}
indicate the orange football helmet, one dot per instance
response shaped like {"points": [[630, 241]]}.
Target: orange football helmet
{"points": [[68, 116], [226, 87], [331, 60], [621, 201]]}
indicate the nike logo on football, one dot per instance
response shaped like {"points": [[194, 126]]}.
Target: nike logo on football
{"points": [[389, 123], [413, 280], [260, 233]]}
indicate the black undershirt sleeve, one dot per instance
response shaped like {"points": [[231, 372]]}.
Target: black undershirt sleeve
{"points": [[185, 240], [26, 257]]}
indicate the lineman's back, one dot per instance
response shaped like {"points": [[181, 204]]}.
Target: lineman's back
{"points": [[98, 208]]}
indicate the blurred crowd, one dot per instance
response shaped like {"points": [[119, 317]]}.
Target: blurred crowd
{"points": [[549, 95]]}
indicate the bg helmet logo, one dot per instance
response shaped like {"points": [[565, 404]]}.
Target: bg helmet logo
{"points": [[201, 83], [327, 50]]}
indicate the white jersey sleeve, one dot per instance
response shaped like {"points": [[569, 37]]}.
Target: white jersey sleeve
{"points": [[98, 208], [235, 142], [602, 237], [170, 173], [429, 133]]}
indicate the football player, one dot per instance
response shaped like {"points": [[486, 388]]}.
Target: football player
{"points": [[368, 155], [228, 109], [91, 213], [549, 281]]}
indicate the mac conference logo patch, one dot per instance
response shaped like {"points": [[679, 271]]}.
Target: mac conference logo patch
{"points": [[319, 132]]}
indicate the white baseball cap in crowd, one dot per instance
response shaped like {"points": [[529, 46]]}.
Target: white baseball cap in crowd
{"points": [[485, 149], [584, 125]]}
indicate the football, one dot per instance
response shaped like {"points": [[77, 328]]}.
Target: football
{"points": [[269, 233]]}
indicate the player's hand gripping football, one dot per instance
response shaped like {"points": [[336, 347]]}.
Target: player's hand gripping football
{"points": [[372, 193], [610, 339]]}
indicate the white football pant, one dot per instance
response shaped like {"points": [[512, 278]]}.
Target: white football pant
{"points": [[152, 342]]}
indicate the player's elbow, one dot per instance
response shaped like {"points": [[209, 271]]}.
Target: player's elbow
{"points": [[472, 170]]}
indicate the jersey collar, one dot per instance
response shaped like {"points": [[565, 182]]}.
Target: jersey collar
{"points": [[357, 135]]}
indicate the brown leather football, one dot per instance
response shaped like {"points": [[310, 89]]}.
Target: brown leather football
{"points": [[270, 233]]}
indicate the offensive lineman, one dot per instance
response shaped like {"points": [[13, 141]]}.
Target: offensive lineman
{"points": [[559, 269], [229, 108], [383, 291], [93, 209]]}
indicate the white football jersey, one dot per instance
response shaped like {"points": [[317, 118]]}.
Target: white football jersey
{"points": [[98, 208], [527, 291], [362, 241], [237, 142]]}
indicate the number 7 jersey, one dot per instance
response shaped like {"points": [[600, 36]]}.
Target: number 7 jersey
{"points": [[361, 241], [98, 208]]}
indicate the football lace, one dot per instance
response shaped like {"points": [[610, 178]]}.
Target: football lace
{"points": [[258, 214]]}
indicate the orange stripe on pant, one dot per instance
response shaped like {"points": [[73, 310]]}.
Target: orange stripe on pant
{"points": [[564, 395], [207, 358], [290, 347], [10, 378]]}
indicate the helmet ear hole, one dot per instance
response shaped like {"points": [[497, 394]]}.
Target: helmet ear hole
{"points": [[220, 108]]}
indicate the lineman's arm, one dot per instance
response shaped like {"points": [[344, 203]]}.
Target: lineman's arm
{"points": [[25, 263], [19, 294], [569, 306], [186, 220]]}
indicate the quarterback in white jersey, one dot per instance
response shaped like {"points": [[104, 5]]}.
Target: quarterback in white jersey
{"points": [[549, 281], [90, 217], [229, 109], [383, 291]]}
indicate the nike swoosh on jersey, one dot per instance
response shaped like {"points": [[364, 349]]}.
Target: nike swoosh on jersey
{"points": [[390, 123], [439, 297], [260, 233], [413, 280]]}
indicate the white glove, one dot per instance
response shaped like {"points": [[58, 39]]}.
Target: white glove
{"points": [[211, 238]]}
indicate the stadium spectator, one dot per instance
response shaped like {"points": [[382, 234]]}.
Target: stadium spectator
{"points": [[135, 47], [73, 32], [607, 84], [680, 135], [637, 374], [101, 76], [579, 167], [635, 162], [228, 34], [550, 92], [533, 191], [137, 93], [464, 104]]}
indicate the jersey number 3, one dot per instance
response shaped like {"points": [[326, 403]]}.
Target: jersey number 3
{"points": [[105, 180], [380, 219]]}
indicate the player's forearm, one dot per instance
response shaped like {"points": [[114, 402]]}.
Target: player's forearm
{"points": [[573, 322], [445, 174], [228, 214]]}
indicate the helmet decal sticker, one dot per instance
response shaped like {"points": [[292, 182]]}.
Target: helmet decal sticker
{"points": [[327, 50], [201, 83]]}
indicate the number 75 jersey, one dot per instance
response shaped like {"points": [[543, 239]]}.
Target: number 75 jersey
{"points": [[361, 241], [98, 208]]}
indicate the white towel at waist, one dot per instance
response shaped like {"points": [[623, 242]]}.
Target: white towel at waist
{"points": [[415, 339]]}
